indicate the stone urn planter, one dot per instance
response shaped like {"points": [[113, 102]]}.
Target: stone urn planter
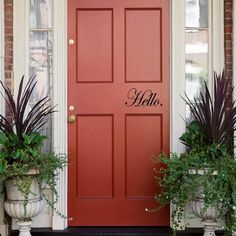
{"points": [[20, 208], [211, 214], [209, 217]]}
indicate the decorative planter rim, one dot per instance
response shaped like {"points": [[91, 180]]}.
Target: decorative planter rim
{"points": [[30, 172], [194, 171]]}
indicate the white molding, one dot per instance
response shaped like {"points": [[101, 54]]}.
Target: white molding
{"points": [[217, 35], [60, 98], [20, 68], [177, 77], [216, 39], [21, 40], [177, 73]]}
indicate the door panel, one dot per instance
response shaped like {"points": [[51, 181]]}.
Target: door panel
{"points": [[94, 140], [143, 45], [94, 34], [119, 86], [142, 133]]}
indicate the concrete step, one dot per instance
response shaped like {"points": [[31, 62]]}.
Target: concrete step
{"points": [[115, 231]]}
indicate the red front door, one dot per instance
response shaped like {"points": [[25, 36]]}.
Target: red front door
{"points": [[119, 88]]}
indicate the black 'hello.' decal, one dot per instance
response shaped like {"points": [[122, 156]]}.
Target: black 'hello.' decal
{"points": [[142, 98]]}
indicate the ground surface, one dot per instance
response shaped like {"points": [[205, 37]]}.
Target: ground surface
{"points": [[115, 231]]}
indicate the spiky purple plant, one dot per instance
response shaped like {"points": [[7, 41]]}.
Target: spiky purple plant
{"points": [[215, 114], [22, 122]]}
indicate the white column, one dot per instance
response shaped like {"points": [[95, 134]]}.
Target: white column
{"points": [[21, 40], [20, 68], [217, 32], [60, 99], [177, 75]]}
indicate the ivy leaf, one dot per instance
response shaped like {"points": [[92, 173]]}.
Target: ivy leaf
{"points": [[3, 166], [27, 139], [3, 138]]}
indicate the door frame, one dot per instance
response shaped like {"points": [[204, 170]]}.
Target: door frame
{"points": [[177, 74]]}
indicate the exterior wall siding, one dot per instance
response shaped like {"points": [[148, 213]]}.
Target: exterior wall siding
{"points": [[228, 39], [8, 32], [228, 36]]}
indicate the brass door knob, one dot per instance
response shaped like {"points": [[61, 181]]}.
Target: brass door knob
{"points": [[71, 118]]}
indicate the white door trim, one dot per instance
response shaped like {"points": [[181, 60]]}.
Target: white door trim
{"points": [[60, 98], [177, 73]]}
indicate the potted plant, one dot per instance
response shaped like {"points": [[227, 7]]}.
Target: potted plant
{"points": [[205, 175], [25, 170]]}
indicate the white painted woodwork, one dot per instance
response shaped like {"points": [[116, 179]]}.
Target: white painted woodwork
{"points": [[216, 62], [21, 67], [60, 99]]}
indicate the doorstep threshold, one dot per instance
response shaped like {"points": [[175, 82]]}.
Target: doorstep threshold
{"points": [[115, 231]]}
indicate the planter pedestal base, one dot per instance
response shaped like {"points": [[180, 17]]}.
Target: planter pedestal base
{"points": [[24, 228], [209, 227], [209, 216], [20, 208]]}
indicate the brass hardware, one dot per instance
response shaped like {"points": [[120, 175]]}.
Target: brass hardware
{"points": [[71, 118], [71, 41], [71, 108]]}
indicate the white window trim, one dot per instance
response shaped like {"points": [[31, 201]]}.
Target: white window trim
{"points": [[60, 74], [216, 63], [21, 67], [60, 98], [178, 54]]}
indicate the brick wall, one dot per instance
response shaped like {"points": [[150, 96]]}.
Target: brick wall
{"points": [[8, 30], [8, 62], [228, 35]]}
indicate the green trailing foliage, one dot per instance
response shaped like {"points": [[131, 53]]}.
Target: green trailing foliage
{"points": [[21, 142], [209, 147]]}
